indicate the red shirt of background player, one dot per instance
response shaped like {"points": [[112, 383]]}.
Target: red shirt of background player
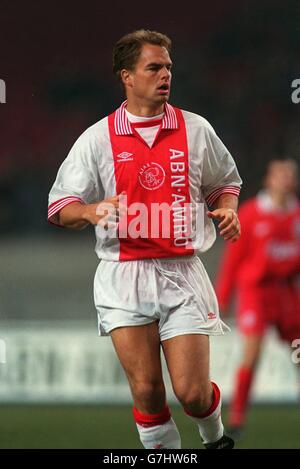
{"points": [[264, 267]]}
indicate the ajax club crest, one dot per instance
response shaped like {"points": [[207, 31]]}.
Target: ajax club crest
{"points": [[152, 176]]}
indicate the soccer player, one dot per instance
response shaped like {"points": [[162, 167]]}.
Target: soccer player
{"points": [[264, 268], [151, 289]]}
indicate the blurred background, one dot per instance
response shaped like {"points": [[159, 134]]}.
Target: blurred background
{"points": [[234, 63]]}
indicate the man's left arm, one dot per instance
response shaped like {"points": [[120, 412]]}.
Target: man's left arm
{"points": [[221, 185], [224, 210]]}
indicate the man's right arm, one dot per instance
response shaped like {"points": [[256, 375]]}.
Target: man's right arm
{"points": [[77, 190], [74, 216], [78, 216]]}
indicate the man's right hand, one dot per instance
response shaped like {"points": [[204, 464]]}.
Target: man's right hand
{"points": [[106, 213]]}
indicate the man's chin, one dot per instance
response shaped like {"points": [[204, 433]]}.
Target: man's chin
{"points": [[162, 99]]}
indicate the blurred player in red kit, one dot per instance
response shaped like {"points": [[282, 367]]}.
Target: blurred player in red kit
{"points": [[264, 268]]}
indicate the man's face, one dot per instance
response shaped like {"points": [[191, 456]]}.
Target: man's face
{"points": [[150, 81], [281, 177]]}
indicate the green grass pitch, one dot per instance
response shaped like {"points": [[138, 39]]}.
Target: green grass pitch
{"points": [[62, 426]]}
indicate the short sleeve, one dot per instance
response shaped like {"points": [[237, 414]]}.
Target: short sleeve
{"points": [[219, 171], [78, 177]]}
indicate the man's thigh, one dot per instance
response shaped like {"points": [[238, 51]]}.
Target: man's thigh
{"points": [[138, 349], [187, 358]]}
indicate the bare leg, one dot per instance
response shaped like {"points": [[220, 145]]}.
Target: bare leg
{"points": [[138, 349], [187, 358]]}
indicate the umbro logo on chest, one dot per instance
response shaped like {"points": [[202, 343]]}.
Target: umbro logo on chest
{"points": [[124, 156]]}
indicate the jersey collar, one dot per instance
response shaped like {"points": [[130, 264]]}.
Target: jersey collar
{"points": [[123, 127]]}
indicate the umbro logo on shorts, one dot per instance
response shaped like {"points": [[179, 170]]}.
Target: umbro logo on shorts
{"points": [[124, 156]]}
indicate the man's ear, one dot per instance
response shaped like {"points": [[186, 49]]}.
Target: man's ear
{"points": [[126, 77]]}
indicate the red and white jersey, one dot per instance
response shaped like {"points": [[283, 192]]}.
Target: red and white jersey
{"points": [[185, 164], [268, 249]]}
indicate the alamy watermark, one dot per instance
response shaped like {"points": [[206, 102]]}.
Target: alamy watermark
{"points": [[2, 92], [296, 353], [183, 223], [295, 96], [2, 351]]}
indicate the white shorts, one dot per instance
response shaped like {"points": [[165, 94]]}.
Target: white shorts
{"points": [[175, 292]]}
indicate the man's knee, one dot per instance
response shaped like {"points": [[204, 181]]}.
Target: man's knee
{"points": [[195, 398], [149, 394]]}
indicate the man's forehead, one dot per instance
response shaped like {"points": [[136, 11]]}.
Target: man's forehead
{"points": [[277, 166], [154, 53]]}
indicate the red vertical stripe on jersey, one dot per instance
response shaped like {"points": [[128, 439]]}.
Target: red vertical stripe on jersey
{"points": [[152, 176]]}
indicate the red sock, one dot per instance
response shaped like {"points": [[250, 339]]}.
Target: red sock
{"points": [[239, 403], [151, 420], [157, 431]]}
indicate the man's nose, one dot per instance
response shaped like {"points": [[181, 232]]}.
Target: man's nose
{"points": [[166, 72]]}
